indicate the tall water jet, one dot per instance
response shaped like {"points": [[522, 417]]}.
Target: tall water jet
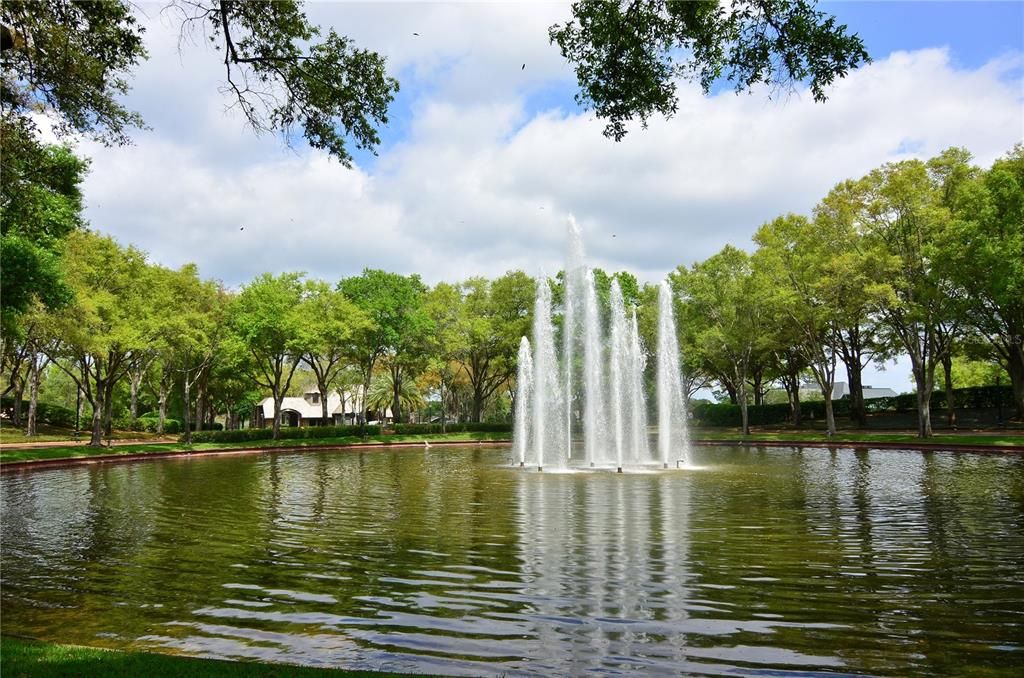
{"points": [[547, 398], [637, 399], [592, 380], [572, 288], [594, 423], [671, 405], [618, 359], [524, 395]]}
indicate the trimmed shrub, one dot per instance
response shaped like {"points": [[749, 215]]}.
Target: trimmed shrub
{"points": [[287, 433], [54, 415], [466, 427]]}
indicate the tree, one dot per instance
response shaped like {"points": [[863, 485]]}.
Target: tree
{"points": [[443, 305], [73, 59], [399, 327], [331, 322], [906, 213], [629, 55], [100, 332], [495, 316], [725, 300], [802, 291], [267, 322], [983, 253], [40, 204]]}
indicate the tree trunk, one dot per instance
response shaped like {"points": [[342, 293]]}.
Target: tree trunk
{"points": [[33, 401], [396, 401], [96, 439], [858, 412], [199, 406], [163, 405], [135, 384], [323, 405], [278, 399], [187, 423], [478, 406], [19, 393], [744, 420], [924, 401], [108, 410], [443, 409], [947, 368], [830, 417]]}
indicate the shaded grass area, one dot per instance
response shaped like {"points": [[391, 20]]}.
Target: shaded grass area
{"points": [[10, 435], [80, 451], [20, 658], [1007, 439]]}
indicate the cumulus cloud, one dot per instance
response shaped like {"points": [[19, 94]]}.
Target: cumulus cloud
{"points": [[481, 178]]}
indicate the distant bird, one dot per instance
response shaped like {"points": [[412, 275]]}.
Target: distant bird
{"points": [[523, 68], [613, 235], [242, 228], [416, 34]]}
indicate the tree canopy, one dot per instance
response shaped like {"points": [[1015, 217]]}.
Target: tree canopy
{"points": [[629, 55]]}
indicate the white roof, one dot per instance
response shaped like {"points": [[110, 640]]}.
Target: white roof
{"points": [[305, 406]]}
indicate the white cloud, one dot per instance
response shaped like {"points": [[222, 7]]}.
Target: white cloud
{"points": [[481, 183]]}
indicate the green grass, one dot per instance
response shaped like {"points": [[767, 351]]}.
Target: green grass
{"points": [[44, 660], [48, 434], [8, 455], [1009, 439], [79, 451]]}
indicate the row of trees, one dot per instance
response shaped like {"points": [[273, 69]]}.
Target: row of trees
{"points": [[924, 259], [920, 258]]}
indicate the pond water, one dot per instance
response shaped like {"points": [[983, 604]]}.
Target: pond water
{"points": [[771, 561]]}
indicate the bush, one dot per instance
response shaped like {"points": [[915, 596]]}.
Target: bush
{"points": [[287, 433], [151, 423], [467, 427], [727, 414], [54, 415]]}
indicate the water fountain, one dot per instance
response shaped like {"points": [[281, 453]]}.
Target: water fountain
{"points": [[595, 387]]}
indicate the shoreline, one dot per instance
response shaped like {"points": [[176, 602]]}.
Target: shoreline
{"points": [[128, 457]]}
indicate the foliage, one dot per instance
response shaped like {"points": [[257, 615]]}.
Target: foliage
{"points": [[40, 204], [465, 427], [47, 413], [291, 433], [629, 56]]}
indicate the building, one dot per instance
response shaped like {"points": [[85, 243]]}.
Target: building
{"points": [[840, 390], [307, 410]]}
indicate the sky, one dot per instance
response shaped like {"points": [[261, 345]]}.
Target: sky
{"points": [[483, 160]]}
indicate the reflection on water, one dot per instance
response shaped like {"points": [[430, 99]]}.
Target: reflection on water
{"points": [[445, 561]]}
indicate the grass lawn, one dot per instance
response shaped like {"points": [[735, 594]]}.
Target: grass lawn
{"points": [[76, 451], [10, 435], [20, 658], [1008, 438]]}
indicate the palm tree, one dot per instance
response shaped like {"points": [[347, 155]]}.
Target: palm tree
{"points": [[382, 393]]}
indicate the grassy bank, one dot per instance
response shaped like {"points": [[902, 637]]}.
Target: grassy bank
{"points": [[15, 454], [10, 435], [8, 455], [1003, 439], [45, 660]]}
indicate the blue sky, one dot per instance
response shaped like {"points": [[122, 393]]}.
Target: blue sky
{"points": [[484, 160]]}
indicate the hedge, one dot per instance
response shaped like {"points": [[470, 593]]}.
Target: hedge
{"points": [[54, 415], [287, 433], [727, 414], [467, 427]]}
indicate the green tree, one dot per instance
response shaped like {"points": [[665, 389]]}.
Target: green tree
{"points": [[906, 214], [73, 59], [629, 56], [399, 328], [724, 299], [495, 316], [270, 329], [40, 204], [332, 322], [100, 332], [443, 305], [983, 253]]}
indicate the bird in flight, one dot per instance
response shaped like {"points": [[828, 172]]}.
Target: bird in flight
{"points": [[523, 68], [416, 34], [241, 228]]}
